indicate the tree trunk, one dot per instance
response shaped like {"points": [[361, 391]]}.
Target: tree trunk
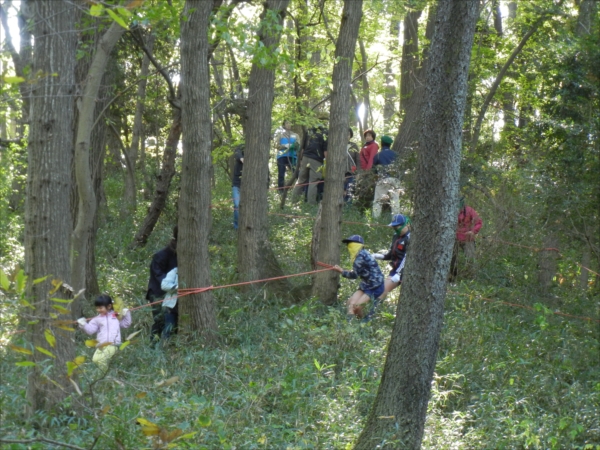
{"points": [[86, 209], [390, 95], [256, 259], [326, 283], [410, 57], [397, 419], [163, 183], [364, 81], [197, 310], [130, 197], [585, 18], [405, 140], [48, 217]]}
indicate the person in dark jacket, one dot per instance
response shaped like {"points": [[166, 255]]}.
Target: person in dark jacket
{"points": [[387, 185], [364, 266], [310, 171], [397, 252], [352, 153], [162, 263], [236, 182]]}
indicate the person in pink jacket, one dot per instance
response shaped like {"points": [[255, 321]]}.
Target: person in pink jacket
{"points": [[107, 324], [469, 224]]}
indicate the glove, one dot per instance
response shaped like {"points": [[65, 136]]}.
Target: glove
{"points": [[124, 312], [396, 278], [82, 322], [378, 256]]}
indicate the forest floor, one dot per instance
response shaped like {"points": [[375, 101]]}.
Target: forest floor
{"points": [[302, 377]]}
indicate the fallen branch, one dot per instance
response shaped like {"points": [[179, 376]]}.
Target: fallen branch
{"points": [[40, 439]]}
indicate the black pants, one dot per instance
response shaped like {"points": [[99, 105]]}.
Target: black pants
{"points": [[165, 320], [283, 163]]}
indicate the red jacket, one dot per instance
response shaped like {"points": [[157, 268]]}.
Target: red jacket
{"points": [[468, 220], [367, 153]]}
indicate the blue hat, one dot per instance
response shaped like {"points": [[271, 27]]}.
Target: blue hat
{"points": [[397, 220], [354, 238]]}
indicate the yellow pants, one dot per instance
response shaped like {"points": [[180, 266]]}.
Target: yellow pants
{"points": [[102, 356]]}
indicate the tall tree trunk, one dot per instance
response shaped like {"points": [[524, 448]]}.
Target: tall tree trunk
{"points": [[256, 259], [86, 209], [163, 183], [364, 81], [390, 95], [397, 419], [410, 57], [585, 18], [130, 197], [197, 310], [408, 133], [48, 217], [325, 283]]}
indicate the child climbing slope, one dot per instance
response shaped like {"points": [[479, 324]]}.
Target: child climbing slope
{"points": [[107, 324]]}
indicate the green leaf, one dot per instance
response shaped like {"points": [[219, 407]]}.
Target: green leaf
{"points": [[4, 281], [204, 421], [124, 12], [45, 352], [124, 344], [96, 10], [61, 300], [13, 80], [16, 348], [61, 309], [50, 338], [40, 280], [117, 18], [20, 282], [25, 364]]}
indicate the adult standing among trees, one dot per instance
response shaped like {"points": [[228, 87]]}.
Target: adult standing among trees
{"points": [[311, 165], [369, 150], [162, 263], [352, 152], [397, 419], [387, 184], [286, 143], [469, 224]]}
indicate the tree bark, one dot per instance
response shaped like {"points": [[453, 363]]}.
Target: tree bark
{"points": [[410, 57], [256, 259], [390, 95], [163, 183], [585, 18], [48, 217], [86, 209], [398, 416], [197, 310], [325, 284]]}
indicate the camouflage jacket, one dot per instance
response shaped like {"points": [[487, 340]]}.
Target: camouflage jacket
{"points": [[367, 269]]}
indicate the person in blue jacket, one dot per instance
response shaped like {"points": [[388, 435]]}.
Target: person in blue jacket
{"points": [[364, 266]]}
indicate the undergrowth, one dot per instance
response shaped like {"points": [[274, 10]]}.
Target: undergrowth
{"points": [[302, 377]]}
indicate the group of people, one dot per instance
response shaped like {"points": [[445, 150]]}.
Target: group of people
{"points": [[373, 288], [309, 161]]}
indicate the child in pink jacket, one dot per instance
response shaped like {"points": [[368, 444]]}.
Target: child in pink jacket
{"points": [[108, 325]]}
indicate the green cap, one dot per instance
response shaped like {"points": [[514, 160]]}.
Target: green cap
{"points": [[386, 140]]}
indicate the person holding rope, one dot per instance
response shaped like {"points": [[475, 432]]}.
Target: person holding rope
{"points": [[397, 252], [286, 143], [162, 263], [364, 266], [310, 169]]}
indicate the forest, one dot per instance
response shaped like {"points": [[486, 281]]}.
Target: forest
{"points": [[215, 134]]}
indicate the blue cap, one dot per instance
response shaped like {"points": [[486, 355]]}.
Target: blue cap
{"points": [[354, 238], [397, 220]]}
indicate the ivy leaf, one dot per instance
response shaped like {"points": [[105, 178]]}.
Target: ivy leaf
{"points": [[16, 348], [45, 352], [50, 338], [117, 18]]}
